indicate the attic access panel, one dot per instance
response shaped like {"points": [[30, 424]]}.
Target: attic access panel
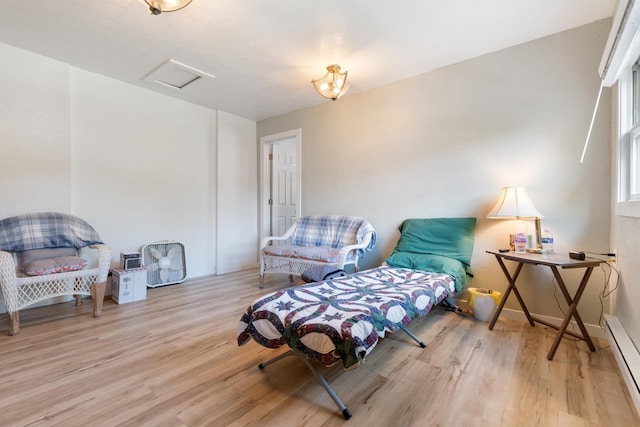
{"points": [[175, 75]]}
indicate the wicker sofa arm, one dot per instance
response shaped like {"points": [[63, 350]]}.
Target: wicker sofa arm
{"points": [[104, 260], [265, 241], [345, 250], [7, 274], [7, 264]]}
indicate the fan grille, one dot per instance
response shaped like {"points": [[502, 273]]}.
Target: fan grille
{"points": [[165, 263]]}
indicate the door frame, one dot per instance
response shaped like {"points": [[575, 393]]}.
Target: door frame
{"points": [[265, 176]]}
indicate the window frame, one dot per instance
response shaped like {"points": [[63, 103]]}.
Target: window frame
{"points": [[628, 142]]}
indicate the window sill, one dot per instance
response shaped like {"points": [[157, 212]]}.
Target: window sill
{"points": [[631, 209]]}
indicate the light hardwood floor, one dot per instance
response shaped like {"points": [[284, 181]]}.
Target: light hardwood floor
{"points": [[173, 360]]}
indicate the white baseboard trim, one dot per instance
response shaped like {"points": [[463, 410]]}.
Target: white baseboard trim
{"points": [[595, 331], [627, 356]]}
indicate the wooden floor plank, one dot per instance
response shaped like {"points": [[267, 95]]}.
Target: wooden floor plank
{"points": [[172, 360]]}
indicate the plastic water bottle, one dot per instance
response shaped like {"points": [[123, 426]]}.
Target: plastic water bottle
{"points": [[547, 243]]}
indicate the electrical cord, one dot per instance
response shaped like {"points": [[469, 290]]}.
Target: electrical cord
{"points": [[607, 279], [606, 292]]}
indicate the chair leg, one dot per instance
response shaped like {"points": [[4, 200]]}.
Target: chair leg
{"points": [[97, 294], [14, 322], [262, 270], [78, 286]]}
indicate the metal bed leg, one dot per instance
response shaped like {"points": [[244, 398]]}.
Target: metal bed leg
{"points": [[275, 359], [415, 338], [345, 412], [449, 306]]}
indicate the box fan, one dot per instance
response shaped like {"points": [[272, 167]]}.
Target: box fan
{"points": [[165, 263]]}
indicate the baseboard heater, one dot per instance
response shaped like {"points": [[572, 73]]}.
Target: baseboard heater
{"points": [[626, 355]]}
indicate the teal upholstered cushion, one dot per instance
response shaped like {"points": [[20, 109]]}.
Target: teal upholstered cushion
{"points": [[435, 263], [449, 237], [442, 245]]}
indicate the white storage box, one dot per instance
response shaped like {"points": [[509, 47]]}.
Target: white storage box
{"points": [[128, 285]]}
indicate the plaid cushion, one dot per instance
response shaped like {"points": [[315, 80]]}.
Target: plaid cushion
{"points": [[333, 231], [45, 230]]}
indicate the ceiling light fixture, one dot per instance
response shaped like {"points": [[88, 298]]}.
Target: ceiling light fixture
{"points": [[333, 85], [156, 7]]}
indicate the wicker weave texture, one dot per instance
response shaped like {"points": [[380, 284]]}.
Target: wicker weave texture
{"points": [[294, 266], [20, 292]]}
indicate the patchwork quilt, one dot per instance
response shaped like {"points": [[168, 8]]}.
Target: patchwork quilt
{"points": [[342, 319]]}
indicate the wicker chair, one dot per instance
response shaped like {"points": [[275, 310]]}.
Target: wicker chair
{"points": [[313, 241], [48, 231]]}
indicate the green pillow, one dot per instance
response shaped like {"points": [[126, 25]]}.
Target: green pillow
{"points": [[449, 237], [435, 263]]}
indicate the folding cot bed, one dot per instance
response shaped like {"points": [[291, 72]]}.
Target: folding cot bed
{"points": [[342, 319]]}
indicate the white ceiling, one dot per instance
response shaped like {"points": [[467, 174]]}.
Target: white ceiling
{"points": [[264, 53]]}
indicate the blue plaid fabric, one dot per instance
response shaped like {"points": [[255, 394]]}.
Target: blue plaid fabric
{"points": [[334, 231], [45, 230]]}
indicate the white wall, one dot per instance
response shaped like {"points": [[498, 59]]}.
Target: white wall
{"points": [[237, 189], [34, 133], [444, 143], [137, 165], [140, 164]]}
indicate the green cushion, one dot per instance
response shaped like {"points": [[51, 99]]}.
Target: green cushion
{"points": [[449, 237], [435, 263]]}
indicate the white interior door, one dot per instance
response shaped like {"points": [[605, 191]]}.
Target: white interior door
{"points": [[284, 191], [280, 181]]}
